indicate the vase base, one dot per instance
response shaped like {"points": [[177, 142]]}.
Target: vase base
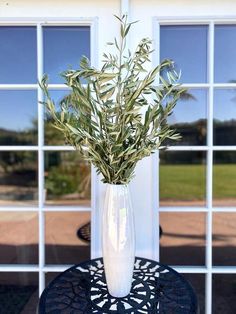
{"points": [[114, 295]]}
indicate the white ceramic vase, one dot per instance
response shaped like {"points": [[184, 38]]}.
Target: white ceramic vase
{"points": [[118, 240]]}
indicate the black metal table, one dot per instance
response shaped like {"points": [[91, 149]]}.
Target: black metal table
{"points": [[156, 289]]}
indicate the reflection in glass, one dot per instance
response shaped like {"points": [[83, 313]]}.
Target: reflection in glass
{"points": [[189, 118], [224, 178], [187, 46], [63, 48], [18, 238], [18, 117], [18, 55], [225, 117], [197, 281], [64, 244], [224, 239], [18, 178], [49, 277], [225, 50], [67, 179], [182, 178], [18, 292], [51, 134], [224, 294], [183, 238]]}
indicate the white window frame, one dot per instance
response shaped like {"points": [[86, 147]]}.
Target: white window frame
{"points": [[39, 23], [209, 148]]}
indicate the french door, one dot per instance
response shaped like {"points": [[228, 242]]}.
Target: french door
{"points": [[46, 190]]}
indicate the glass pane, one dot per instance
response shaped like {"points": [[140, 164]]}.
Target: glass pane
{"points": [[18, 178], [18, 55], [50, 277], [182, 240], [224, 239], [18, 117], [65, 241], [225, 117], [224, 178], [52, 135], [18, 292], [187, 46], [67, 179], [198, 283], [189, 118], [225, 50], [63, 48], [182, 178], [224, 289], [19, 238]]}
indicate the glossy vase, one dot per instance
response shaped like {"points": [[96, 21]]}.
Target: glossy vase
{"points": [[118, 240]]}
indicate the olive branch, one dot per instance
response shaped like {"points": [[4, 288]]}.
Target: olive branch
{"points": [[116, 116]]}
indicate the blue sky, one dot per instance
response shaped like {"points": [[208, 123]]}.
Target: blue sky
{"points": [[63, 47]]}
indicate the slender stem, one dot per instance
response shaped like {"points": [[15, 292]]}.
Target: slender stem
{"points": [[119, 81]]}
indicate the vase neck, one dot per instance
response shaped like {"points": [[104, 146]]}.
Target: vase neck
{"points": [[117, 188]]}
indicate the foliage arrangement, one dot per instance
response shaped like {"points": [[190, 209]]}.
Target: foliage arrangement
{"points": [[116, 116]]}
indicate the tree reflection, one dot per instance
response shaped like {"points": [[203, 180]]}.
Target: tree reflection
{"points": [[67, 176]]}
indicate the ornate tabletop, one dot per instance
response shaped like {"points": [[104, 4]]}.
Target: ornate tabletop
{"points": [[156, 289]]}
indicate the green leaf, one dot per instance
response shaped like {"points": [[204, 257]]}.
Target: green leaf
{"points": [[114, 116]]}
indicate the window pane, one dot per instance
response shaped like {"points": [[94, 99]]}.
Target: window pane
{"points": [[63, 48], [50, 277], [18, 292], [18, 55], [224, 178], [18, 178], [182, 240], [225, 117], [64, 244], [18, 117], [224, 239], [189, 118], [52, 135], [19, 238], [224, 287], [67, 179], [182, 178], [225, 50], [187, 46], [197, 281]]}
